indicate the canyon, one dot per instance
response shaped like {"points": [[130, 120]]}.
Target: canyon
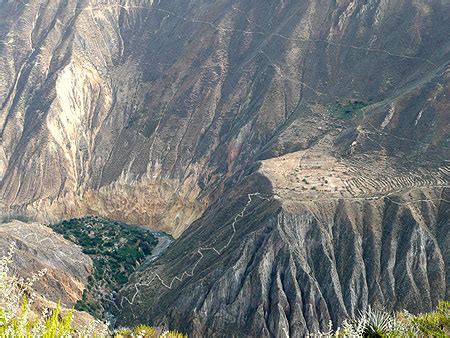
{"points": [[297, 151]]}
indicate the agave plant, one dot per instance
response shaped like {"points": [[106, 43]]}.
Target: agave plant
{"points": [[377, 323], [374, 323], [369, 323]]}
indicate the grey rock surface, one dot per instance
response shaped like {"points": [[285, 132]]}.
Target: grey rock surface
{"points": [[288, 267], [138, 110], [37, 247]]}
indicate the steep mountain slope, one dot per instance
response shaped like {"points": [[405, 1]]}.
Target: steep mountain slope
{"points": [[262, 263], [79, 263], [37, 247], [329, 118], [67, 269], [136, 108]]}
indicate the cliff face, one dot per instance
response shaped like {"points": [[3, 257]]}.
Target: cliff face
{"points": [[275, 265], [131, 109], [37, 247], [333, 113]]}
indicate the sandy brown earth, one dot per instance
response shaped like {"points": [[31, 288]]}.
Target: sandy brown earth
{"points": [[37, 248]]}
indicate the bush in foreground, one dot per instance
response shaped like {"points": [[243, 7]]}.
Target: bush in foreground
{"points": [[373, 323], [17, 320], [145, 331]]}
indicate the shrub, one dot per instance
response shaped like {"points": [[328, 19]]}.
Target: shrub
{"points": [[146, 331], [436, 324], [373, 323], [122, 333], [18, 321], [346, 110], [16, 295]]}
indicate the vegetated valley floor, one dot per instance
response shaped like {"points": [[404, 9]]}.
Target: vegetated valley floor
{"points": [[117, 249]]}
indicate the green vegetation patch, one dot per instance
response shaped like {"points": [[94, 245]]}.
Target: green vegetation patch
{"points": [[374, 323], [346, 110], [434, 324], [116, 249], [20, 319]]}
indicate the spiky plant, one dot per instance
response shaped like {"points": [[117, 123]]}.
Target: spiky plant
{"points": [[146, 331], [377, 323], [374, 323]]}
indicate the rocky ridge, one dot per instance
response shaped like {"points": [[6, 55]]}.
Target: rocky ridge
{"points": [[38, 248], [286, 267], [140, 110]]}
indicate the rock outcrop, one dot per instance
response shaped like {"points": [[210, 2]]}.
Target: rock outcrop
{"points": [[37, 248], [138, 110], [67, 268], [286, 266]]}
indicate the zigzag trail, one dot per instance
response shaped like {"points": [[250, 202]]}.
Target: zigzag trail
{"points": [[226, 29], [190, 271], [202, 250]]}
